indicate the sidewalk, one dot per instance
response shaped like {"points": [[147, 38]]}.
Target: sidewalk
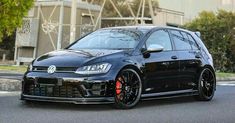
{"points": [[10, 85], [10, 80]]}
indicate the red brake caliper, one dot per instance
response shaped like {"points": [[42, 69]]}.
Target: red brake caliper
{"points": [[118, 87]]}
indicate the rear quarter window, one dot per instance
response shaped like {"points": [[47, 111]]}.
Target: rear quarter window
{"points": [[192, 42], [181, 40]]}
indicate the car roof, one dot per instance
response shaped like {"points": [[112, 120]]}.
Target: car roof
{"points": [[147, 28]]}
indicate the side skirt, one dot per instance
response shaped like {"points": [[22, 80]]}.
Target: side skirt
{"points": [[170, 94]]}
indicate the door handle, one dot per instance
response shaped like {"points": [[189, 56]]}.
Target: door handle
{"points": [[174, 57], [197, 54]]}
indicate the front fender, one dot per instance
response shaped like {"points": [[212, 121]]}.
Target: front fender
{"points": [[120, 63], [126, 63]]}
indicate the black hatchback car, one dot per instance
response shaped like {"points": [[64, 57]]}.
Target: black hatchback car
{"points": [[122, 65]]}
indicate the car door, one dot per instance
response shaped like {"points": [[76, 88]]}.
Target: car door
{"points": [[189, 56], [161, 68]]}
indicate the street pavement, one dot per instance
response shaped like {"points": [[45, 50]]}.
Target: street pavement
{"points": [[177, 110]]}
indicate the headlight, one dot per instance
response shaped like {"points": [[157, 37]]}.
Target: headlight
{"points": [[94, 69]]}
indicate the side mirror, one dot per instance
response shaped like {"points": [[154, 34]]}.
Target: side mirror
{"points": [[155, 48]]}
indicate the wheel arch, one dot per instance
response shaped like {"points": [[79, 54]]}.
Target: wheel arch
{"points": [[130, 66], [136, 68], [211, 68]]}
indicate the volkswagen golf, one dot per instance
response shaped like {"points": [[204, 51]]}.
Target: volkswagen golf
{"points": [[121, 66]]}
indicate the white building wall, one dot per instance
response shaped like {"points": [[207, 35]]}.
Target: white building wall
{"points": [[191, 8]]}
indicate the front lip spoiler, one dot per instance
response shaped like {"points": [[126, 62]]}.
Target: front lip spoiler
{"points": [[97, 100]]}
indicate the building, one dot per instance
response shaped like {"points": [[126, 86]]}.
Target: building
{"points": [[47, 27], [179, 12]]}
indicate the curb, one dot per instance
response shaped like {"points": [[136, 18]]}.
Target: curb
{"points": [[10, 85], [15, 85], [226, 79]]}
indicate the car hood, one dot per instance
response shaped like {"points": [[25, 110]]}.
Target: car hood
{"points": [[71, 58]]}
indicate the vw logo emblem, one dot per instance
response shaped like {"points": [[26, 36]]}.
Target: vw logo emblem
{"points": [[51, 69]]}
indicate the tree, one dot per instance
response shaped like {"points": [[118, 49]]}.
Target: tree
{"points": [[218, 33], [11, 14]]}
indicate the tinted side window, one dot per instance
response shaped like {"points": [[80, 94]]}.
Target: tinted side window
{"points": [[184, 35], [181, 42], [160, 37], [192, 42]]}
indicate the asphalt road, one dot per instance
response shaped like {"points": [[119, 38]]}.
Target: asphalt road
{"points": [[178, 110]]}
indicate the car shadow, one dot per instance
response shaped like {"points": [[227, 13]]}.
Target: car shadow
{"points": [[166, 101], [106, 107], [66, 106]]}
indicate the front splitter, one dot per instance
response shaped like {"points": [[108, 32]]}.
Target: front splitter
{"points": [[97, 100]]}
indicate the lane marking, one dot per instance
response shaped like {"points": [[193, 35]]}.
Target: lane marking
{"points": [[4, 92], [226, 83]]}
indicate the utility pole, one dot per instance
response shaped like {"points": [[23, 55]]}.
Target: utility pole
{"points": [[142, 16], [61, 18], [151, 11], [232, 5], [73, 21]]}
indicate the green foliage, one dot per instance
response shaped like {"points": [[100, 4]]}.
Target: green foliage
{"points": [[7, 44], [18, 69], [224, 75], [11, 14], [218, 33]]}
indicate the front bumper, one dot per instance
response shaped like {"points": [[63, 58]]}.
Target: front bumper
{"points": [[97, 100], [67, 88]]}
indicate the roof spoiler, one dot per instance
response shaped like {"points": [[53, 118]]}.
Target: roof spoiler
{"points": [[198, 34]]}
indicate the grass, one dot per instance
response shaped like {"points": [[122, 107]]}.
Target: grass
{"points": [[15, 69], [224, 75]]}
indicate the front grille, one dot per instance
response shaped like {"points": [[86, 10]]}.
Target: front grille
{"points": [[58, 69], [51, 87], [68, 91], [47, 81]]}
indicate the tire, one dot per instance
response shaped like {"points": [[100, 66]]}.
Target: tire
{"points": [[206, 85], [128, 89]]}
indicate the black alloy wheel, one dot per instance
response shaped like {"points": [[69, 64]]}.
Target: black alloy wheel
{"points": [[206, 85], [128, 88]]}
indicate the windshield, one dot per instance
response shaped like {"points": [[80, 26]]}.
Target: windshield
{"points": [[109, 39]]}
